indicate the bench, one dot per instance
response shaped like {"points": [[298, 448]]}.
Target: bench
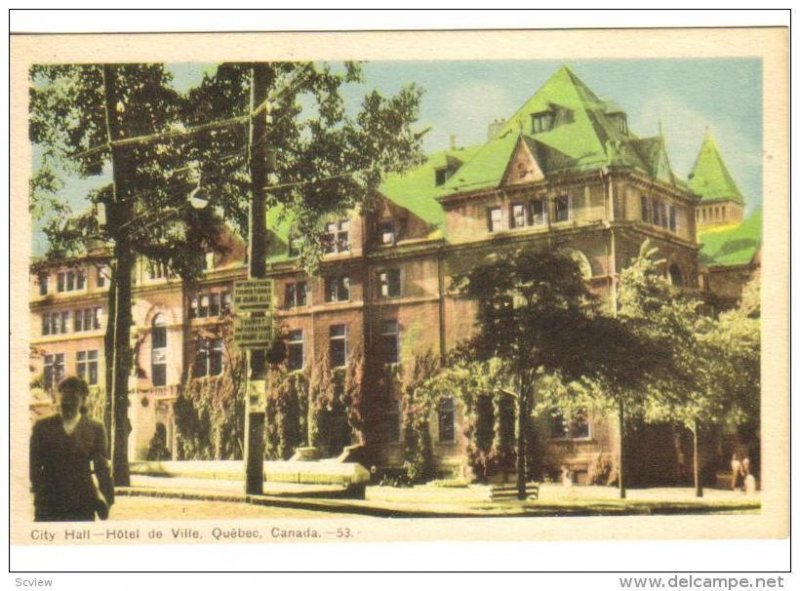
{"points": [[508, 492]]}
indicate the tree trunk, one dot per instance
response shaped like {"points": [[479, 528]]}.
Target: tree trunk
{"points": [[623, 493], [118, 331], [698, 485]]}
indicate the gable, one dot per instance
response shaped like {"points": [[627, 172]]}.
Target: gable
{"points": [[523, 167]]}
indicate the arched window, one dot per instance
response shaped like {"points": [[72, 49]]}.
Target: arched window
{"points": [[158, 355], [676, 275]]}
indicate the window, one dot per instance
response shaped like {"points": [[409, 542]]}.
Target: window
{"points": [[207, 305], [519, 215], [296, 294], [393, 421], [539, 212], [158, 355], [208, 358], [43, 283], [63, 322], [86, 364], [441, 176], [447, 420], [563, 208], [389, 282], [337, 289], [295, 246], [542, 121], [215, 361], [86, 319], [495, 219], [338, 345], [70, 280], [103, 274], [390, 340], [337, 237], [202, 310], [576, 428], [647, 209], [387, 232], [673, 221], [55, 323], [157, 270], [213, 305], [294, 344], [53, 370]]}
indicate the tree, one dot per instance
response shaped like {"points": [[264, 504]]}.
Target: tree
{"points": [[129, 118], [85, 118], [536, 315], [712, 373]]}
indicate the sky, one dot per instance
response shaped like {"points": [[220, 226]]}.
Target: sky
{"points": [[461, 98]]}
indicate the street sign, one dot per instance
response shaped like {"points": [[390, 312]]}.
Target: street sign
{"points": [[252, 294], [252, 332]]}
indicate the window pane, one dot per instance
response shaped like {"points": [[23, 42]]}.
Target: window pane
{"points": [[159, 375], [447, 430], [215, 363], [301, 293], [295, 353], [289, 299], [213, 309], [562, 208], [518, 216], [159, 337], [338, 345], [43, 284]]}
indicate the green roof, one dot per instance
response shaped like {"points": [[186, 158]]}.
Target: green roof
{"points": [[585, 135], [731, 245], [710, 177], [416, 189]]}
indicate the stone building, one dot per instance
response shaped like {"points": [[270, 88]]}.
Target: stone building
{"points": [[564, 169]]}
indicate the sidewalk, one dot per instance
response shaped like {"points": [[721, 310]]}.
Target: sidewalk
{"points": [[434, 501]]}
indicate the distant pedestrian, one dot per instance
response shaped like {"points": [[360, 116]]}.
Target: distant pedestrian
{"points": [[736, 472], [62, 448]]}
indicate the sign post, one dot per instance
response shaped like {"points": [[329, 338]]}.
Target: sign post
{"points": [[253, 331]]}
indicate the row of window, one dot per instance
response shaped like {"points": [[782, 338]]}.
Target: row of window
{"points": [[522, 215], [337, 345], [337, 289], [85, 319], [659, 213], [72, 280], [210, 304], [709, 214], [86, 364]]}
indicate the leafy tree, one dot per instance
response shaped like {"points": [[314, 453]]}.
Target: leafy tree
{"points": [[80, 118], [87, 118], [536, 315], [713, 365]]}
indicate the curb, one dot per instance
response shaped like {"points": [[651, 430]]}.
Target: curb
{"points": [[527, 509]]}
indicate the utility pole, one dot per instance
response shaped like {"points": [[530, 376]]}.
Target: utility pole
{"points": [[263, 77], [118, 331]]}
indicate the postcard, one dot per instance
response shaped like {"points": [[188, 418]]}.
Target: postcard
{"points": [[403, 286]]}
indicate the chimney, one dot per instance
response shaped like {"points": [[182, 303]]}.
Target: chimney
{"points": [[494, 128]]}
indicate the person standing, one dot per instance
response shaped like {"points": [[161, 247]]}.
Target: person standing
{"points": [[62, 449]]}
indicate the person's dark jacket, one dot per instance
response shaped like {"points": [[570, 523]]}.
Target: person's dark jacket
{"points": [[60, 469]]}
